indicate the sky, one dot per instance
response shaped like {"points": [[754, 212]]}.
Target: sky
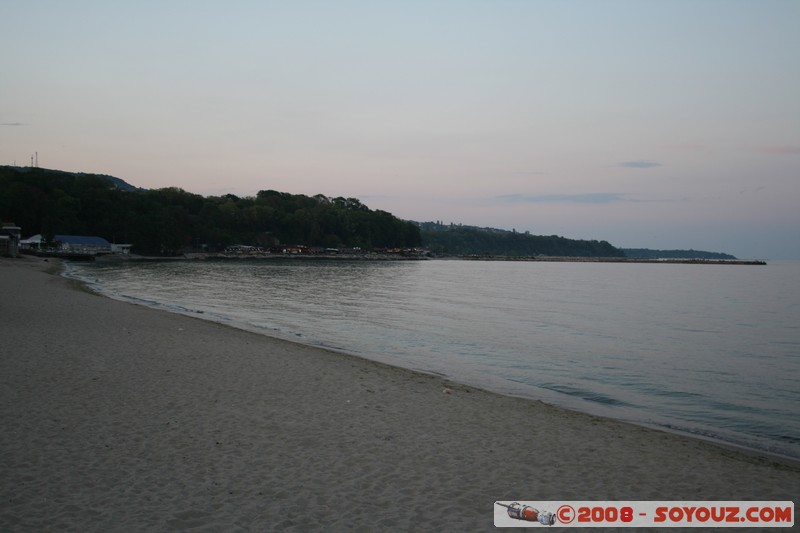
{"points": [[647, 123]]}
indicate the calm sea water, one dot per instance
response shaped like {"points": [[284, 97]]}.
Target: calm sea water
{"points": [[712, 350]]}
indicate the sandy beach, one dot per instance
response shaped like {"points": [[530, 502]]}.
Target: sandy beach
{"points": [[116, 417]]}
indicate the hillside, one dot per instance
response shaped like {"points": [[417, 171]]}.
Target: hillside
{"points": [[644, 253], [65, 175], [171, 221], [460, 240]]}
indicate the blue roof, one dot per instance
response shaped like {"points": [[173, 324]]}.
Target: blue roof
{"points": [[82, 239]]}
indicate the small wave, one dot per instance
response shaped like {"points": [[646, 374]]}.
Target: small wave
{"points": [[181, 309], [591, 396], [670, 393], [793, 439], [136, 299], [155, 303]]}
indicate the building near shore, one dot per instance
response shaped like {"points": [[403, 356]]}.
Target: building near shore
{"points": [[81, 244], [9, 239], [75, 244], [34, 242], [121, 249]]}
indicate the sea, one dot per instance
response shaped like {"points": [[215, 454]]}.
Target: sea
{"points": [[702, 349]]}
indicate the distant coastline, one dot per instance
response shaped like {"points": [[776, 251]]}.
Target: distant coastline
{"points": [[395, 257], [620, 260]]}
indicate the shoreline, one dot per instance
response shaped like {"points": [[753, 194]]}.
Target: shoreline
{"points": [[272, 433], [747, 444], [395, 257], [449, 380], [635, 260]]}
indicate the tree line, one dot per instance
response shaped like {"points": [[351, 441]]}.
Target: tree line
{"points": [[171, 221], [456, 239], [646, 253]]}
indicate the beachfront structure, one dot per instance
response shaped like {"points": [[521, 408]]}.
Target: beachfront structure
{"points": [[34, 242], [76, 244], [124, 249], [9, 239], [80, 244]]}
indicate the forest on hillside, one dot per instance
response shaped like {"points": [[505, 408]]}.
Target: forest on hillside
{"points": [[171, 221], [646, 253], [460, 240]]}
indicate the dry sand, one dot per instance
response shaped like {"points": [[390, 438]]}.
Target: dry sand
{"points": [[116, 417]]}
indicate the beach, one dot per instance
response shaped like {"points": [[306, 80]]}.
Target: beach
{"points": [[117, 417]]}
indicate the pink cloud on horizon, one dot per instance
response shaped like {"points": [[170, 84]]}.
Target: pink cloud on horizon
{"points": [[779, 150], [692, 147]]}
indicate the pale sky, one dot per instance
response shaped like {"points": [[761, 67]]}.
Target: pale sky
{"points": [[647, 123]]}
